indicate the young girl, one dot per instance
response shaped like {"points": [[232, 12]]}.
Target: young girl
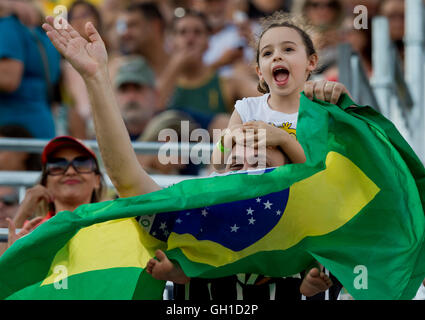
{"points": [[286, 57]]}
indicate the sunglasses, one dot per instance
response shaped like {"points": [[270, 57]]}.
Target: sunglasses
{"points": [[329, 5], [58, 166], [10, 200]]}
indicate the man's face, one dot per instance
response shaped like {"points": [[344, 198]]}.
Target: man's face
{"points": [[191, 33], [215, 10], [394, 11], [136, 32], [9, 203], [246, 158], [137, 104]]}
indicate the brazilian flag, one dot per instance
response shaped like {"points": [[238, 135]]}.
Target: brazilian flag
{"points": [[355, 206]]}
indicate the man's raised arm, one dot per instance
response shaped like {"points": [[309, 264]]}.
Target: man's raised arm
{"points": [[90, 59]]}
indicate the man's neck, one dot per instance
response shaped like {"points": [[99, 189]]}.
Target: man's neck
{"points": [[194, 73], [157, 58]]}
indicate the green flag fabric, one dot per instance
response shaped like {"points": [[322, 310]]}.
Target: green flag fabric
{"points": [[355, 206]]}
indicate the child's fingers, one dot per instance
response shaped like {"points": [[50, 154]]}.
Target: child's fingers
{"points": [[160, 255]]}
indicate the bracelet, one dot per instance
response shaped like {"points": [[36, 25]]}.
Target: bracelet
{"points": [[222, 148]]}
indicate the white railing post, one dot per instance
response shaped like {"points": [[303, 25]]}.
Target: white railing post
{"points": [[414, 72], [383, 65]]}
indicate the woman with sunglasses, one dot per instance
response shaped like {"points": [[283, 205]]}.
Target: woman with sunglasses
{"points": [[70, 177]]}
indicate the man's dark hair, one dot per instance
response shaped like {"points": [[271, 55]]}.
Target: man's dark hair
{"points": [[149, 10]]}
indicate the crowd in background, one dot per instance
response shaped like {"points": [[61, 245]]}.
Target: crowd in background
{"points": [[170, 61]]}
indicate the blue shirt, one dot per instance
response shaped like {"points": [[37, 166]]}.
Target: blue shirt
{"points": [[28, 105]]}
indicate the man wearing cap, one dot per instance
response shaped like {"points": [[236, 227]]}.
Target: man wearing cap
{"points": [[136, 94]]}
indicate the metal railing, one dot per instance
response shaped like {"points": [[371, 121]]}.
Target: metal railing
{"points": [[353, 75], [400, 94], [395, 90], [37, 145]]}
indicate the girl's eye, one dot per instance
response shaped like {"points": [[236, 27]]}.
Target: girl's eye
{"points": [[289, 49], [267, 53]]}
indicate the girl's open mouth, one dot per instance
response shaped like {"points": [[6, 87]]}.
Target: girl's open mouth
{"points": [[280, 75]]}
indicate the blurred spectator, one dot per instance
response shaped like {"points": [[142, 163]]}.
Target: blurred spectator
{"points": [[182, 127], [29, 65], [361, 42], [17, 160], [141, 30], [394, 11], [48, 6], [9, 202], [136, 94], [191, 86], [257, 9], [76, 97], [326, 18], [226, 45]]}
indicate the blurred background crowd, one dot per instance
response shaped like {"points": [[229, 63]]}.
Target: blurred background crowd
{"points": [[170, 61]]}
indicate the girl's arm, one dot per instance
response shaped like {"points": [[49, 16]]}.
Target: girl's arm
{"points": [[89, 58], [223, 145]]}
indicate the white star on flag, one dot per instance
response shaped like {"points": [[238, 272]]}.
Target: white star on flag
{"points": [[251, 221], [258, 200], [163, 226], [278, 212], [249, 211], [268, 205], [188, 213], [204, 212], [234, 228], [179, 220], [166, 233]]}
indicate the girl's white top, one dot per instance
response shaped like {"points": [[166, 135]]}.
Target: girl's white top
{"points": [[257, 108]]}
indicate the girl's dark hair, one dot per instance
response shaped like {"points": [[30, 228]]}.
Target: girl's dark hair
{"points": [[283, 19]]}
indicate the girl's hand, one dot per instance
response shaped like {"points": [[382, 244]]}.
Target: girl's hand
{"points": [[259, 133], [324, 90], [87, 57]]}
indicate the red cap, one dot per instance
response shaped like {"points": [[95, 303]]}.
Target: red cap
{"points": [[64, 141]]}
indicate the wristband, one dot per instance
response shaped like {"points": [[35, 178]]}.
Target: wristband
{"points": [[222, 148]]}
